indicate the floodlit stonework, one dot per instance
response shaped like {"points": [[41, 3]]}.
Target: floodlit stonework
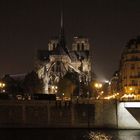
{"points": [[54, 62]]}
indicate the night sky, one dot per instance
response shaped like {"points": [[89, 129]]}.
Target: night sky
{"points": [[26, 26]]}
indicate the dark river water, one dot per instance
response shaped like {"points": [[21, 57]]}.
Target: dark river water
{"points": [[68, 134]]}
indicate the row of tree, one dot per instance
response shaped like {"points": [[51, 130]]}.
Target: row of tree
{"points": [[28, 84], [70, 85]]}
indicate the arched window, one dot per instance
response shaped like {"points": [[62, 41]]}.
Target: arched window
{"points": [[54, 46], [78, 47], [82, 46]]}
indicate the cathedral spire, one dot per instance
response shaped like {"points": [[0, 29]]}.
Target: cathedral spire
{"points": [[62, 36], [62, 24], [61, 48], [62, 20]]}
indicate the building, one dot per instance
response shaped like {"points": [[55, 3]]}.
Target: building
{"points": [[129, 74], [82, 56], [114, 83], [53, 63]]}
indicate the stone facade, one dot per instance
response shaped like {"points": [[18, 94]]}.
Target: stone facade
{"points": [[57, 60], [52, 66], [130, 67]]}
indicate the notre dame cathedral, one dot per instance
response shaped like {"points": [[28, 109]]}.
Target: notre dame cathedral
{"points": [[56, 60]]}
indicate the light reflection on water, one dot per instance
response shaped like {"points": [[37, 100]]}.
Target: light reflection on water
{"points": [[113, 135], [98, 136]]}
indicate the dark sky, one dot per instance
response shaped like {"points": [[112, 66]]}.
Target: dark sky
{"points": [[26, 25]]}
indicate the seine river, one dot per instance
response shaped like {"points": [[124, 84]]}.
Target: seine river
{"points": [[68, 134]]}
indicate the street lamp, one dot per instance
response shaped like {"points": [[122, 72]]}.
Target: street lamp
{"points": [[98, 86], [2, 85], [130, 88], [63, 95], [53, 89]]}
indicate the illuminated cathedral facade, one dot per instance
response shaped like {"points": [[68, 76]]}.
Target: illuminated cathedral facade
{"points": [[56, 60]]}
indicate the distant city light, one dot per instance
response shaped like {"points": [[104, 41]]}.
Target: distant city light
{"points": [[108, 82], [128, 96], [113, 96]]}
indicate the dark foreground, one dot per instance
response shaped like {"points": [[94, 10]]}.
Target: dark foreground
{"points": [[68, 134]]}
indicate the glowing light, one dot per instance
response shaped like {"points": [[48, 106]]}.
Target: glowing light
{"points": [[98, 85], [131, 88], [113, 96], [108, 82], [98, 136], [2, 85], [102, 92], [128, 96]]}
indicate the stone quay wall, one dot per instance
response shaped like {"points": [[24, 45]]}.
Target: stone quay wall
{"points": [[58, 114]]}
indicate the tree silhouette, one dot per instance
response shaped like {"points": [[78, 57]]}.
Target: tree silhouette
{"points": [[32, 83], [68, 84], [12, 86]]}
